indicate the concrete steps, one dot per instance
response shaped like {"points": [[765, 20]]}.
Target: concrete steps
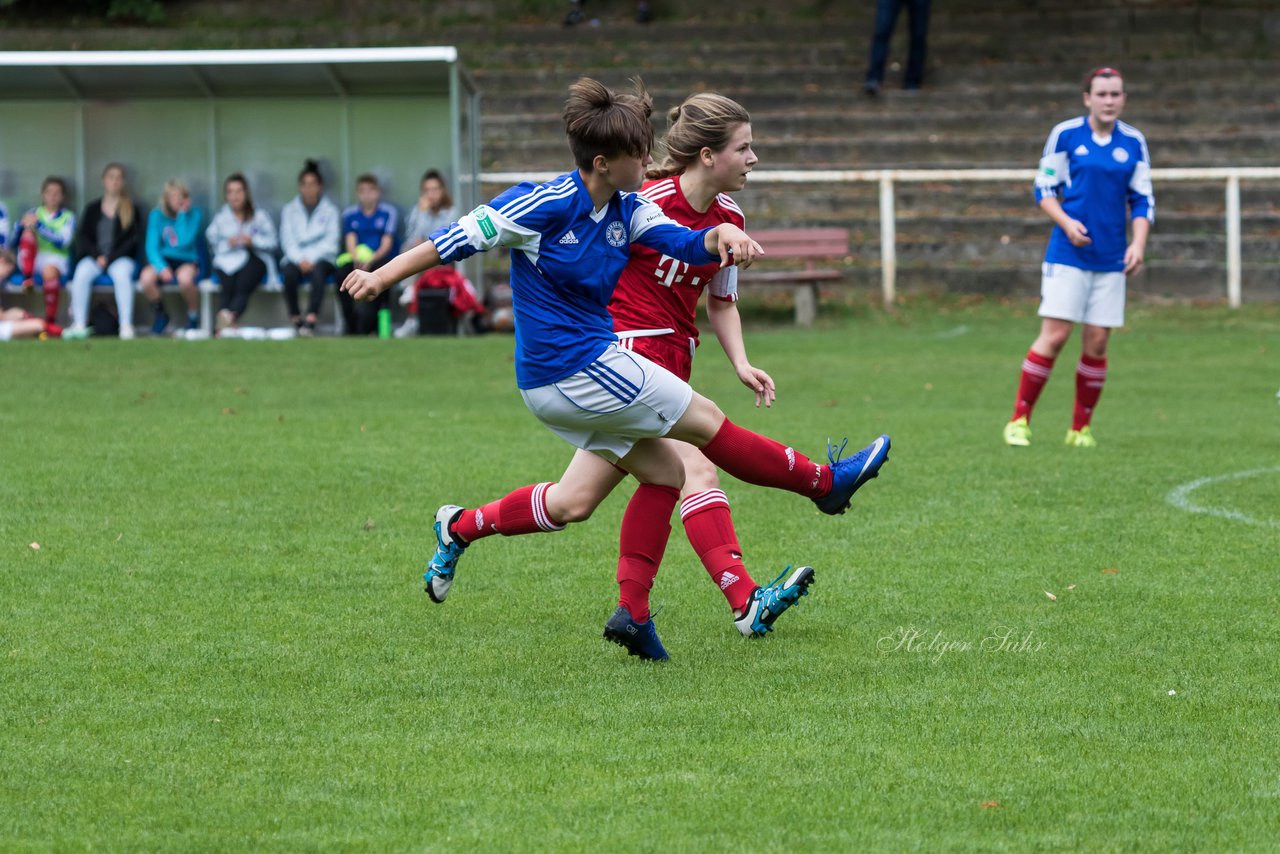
{"points": [[1201, 77]]}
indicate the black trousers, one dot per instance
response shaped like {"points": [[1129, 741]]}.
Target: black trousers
{"points": [[360, 318], [318, 279], [918, 21], [238, 286]]}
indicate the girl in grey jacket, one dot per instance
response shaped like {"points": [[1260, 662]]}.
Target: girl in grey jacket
{"points": [[310, 231], [242, 240]]}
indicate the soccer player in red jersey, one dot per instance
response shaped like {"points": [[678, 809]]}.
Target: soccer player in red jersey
{"points": [[654, 308]]}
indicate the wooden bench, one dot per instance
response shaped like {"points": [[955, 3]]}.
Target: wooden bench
{"points": [[810, 244]]}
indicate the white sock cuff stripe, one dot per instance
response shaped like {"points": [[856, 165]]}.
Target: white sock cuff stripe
{"points": [[540, 515], [701, 501], [1035, 370], [1090, 370]]}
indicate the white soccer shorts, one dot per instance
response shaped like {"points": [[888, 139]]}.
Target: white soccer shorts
{"points": [[54, 260], [1082, 296], [611, 404], [6, 330]]}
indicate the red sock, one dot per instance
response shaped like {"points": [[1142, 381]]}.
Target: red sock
{"points": [[1090, 375], [521, 512], [646, 525], [1035, 373], [27, 249], [760, 460], [52, 293], [709, 525]]}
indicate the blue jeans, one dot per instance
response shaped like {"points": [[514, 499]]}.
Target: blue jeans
{"points": [[886, 17], [120, 272]]}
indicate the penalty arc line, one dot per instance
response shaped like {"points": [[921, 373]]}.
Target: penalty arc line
{"points": [[1180, 497]]}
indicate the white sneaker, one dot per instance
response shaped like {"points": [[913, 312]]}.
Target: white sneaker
{"points": [[75, 332], [408, 329], [126, 332]]}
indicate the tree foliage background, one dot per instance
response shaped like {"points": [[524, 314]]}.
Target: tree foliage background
{"points": [[144, 11]]}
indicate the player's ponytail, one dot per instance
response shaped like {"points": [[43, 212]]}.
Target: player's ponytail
{"points": [[601, 122], [704, 120]]}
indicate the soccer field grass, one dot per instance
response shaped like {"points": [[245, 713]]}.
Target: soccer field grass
{"points": [[222, 640]]}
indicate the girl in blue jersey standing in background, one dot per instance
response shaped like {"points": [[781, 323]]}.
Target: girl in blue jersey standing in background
{"points": [[1094, 176], [570, 239]]}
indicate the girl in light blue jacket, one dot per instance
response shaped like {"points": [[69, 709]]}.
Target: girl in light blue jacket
{"points": [[173, 254]]}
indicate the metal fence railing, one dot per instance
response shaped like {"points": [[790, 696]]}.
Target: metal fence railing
{"points": [[886, 178]]}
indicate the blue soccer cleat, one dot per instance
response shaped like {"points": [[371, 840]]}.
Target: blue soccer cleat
{"points": [[638, 638], [768, 603], [440, 569], [849, 474]]}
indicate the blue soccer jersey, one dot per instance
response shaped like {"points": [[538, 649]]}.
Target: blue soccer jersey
{"points": [[1095, 178], [369, 228], [566, 258]]}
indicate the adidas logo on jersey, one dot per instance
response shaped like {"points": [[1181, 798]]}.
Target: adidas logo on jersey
{"points": [[1082, 149], [727, 579], [569, 239]]}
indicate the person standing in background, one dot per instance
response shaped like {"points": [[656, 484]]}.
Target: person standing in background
{"points": [[886, 18]]}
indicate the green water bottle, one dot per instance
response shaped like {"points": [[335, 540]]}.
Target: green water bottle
{"points": [[384, 323]]}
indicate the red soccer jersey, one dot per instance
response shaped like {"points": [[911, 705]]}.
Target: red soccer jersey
{"points": [[658, 292]]}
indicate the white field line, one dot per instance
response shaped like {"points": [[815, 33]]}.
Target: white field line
{"points": [[1180, 497]]}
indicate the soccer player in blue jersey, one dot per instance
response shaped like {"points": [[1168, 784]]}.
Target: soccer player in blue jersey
{"points": [[1094, 176], [570, 239]]}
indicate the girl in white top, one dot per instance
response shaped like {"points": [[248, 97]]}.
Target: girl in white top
{"points": [[242, 239], [310, 232]]}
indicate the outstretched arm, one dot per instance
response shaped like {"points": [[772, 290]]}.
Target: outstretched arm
{"points": [[365, 285]]}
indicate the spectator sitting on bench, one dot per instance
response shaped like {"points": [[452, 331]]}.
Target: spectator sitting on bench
{"points": [[106, 242], [369, 236], [173, 229], [45, 236], [434, 210], [310, 228], [242, 239]]}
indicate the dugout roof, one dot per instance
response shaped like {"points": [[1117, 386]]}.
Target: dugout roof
{"points": [[201, 114]]}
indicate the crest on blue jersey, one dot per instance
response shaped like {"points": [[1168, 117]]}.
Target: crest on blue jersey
{"points": [[1120, 155], [616, 234]]}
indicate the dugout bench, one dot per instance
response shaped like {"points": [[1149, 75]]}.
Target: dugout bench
{"points": [[810, 244]]}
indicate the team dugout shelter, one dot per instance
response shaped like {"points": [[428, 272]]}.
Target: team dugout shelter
{"points": [[201, 115]]}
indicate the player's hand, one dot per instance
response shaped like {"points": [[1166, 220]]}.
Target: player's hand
{"points": [[1133, 258], [363, 285], [759, 382], [735, 246], [305, 267], [1077, 233], [29, 220], [166, 275]]}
